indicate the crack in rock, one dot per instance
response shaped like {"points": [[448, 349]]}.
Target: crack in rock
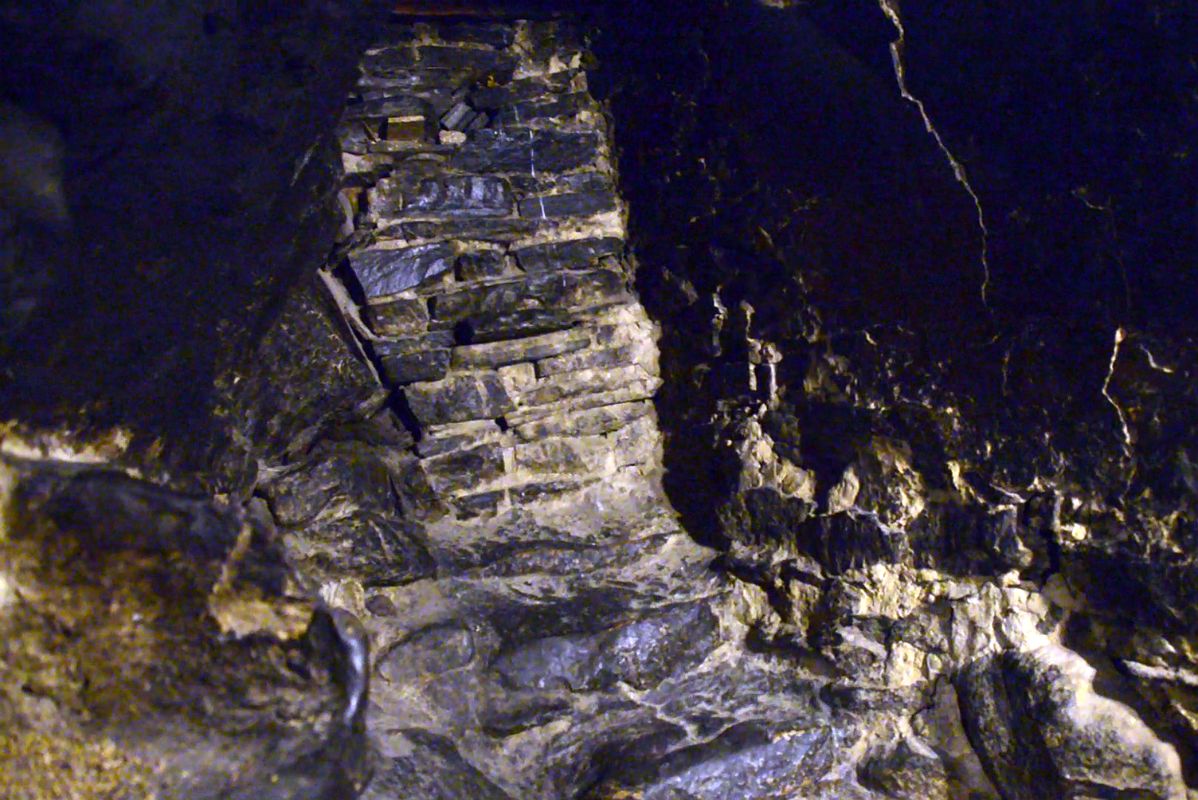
{"points": [[891, 9]]}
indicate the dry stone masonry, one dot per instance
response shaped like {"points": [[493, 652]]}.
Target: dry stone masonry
{"points": [[487, 250]]}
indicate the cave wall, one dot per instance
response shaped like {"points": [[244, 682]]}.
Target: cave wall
{"points": [[726, 399], [925, 325]]}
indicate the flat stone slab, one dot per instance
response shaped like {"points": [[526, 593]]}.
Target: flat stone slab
{"points": [[458, 399], [574, 254], [518, 149], [499, 354], [384, 272]]}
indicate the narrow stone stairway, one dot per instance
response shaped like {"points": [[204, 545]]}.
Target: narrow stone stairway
{"points": [[553, 632]]}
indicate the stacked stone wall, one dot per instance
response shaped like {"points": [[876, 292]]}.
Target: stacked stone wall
{"points": [[486, 247]]}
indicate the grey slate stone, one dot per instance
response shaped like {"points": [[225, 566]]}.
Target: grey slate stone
{"points": [[515, 149], [400, 317], [458, 399], [481, 264], [484, 229], [570, 204], [459, 196], [382, 272], [463, 470], [575, 254], [501, 354], [474, 60], [556, 294], [422, 365]]}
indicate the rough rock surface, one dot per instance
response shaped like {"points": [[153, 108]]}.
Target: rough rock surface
{"points": [[737, 400]]}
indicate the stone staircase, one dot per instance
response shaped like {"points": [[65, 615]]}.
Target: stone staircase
{"points": [[494, 281], [560, 635]]}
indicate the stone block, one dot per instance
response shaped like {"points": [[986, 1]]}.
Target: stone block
{"points": [[575, 254], [422, 365], [544, 490], [577, 457], [572, 204], [606, 358], [433, 340], [517, 325], [479, 505], [498, 354], [404, 316], [458, 399], [441, 439], [551, 293], [389, 60], [458, 196], [639, 389], [405, 129], [480, 265], [484, 229], [465, 470], [586, 381], [382, 272], [557, 107], [388, 106], [588, 422], [459, 117], [473, 60], [517, 149], [493, 98]]}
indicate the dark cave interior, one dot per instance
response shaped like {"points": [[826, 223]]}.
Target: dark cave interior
{"points": [[920, 280]]}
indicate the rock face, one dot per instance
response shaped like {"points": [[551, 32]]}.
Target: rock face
{"points": [[156, 644], [716, 400]]}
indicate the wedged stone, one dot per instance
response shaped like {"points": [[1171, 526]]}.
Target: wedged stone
{"points": [[588, 422], [404, 316], [568, 205], [485, 229], [498, 354], [422, 365], [517, 149], [563, 106], [641, 389], [550, 293], [463, 470], [606, 358], [382, 272], [480, 265], [442, 439], [496, 64], [586, 381], [458, 399], [575, 254], [459, 117], [474, 195]]}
